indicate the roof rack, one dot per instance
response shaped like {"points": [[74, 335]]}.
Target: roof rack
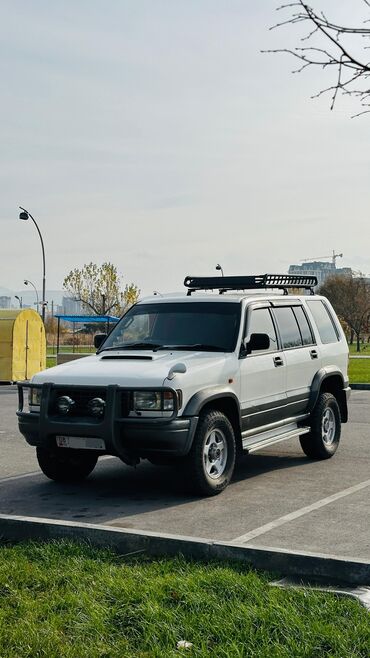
{"points": [[259, 281]]}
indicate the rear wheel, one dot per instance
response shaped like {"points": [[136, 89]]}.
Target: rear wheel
{"points": [[66, 465], [210, 463], [323, 439]]}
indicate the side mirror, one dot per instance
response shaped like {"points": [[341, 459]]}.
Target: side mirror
{"points": [[177, 368], [258, 342], [99, 340]]}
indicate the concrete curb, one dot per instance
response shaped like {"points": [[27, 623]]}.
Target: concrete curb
{"points": [[349, 571]]}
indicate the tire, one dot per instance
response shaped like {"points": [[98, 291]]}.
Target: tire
{"points": [[66, 465], [210, 464], [323, 439]]}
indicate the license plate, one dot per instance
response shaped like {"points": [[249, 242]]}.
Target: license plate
{"points": [[80, 442]]}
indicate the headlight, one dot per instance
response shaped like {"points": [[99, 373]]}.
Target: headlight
{"points": [[34, 397], [167, 401], [153, 401], [149, 400]]}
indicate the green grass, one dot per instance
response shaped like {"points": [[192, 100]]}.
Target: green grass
{"points": [[81, 349], [51, 357], [359, 371], [72, 601], [364, 349]]}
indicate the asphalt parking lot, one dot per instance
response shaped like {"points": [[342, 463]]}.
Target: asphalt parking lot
{"points": [[278, 497]]}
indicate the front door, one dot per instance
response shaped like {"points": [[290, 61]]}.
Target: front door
{"points": [[262, 374]]}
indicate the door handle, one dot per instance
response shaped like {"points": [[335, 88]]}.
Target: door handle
{"points": [[313, 354], [278, 361]]}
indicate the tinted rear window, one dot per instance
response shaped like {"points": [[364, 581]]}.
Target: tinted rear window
{"points": [[304, 327], [288, 327]]}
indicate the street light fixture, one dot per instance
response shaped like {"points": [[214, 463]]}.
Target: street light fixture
{"points": [[20, 300], [219, 268], [26, 282], [25, 214]]}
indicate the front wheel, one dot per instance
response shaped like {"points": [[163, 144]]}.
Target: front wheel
{"points": [[65, 464], [210, 463], [323, 439]]}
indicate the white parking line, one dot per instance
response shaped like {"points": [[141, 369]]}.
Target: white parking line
{"points": [[300, 512]]}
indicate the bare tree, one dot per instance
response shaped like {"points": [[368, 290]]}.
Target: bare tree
{"points": [[350, 297], [329, 47]]}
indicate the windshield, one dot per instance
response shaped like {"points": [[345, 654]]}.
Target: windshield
{"points": [[208, 326]]}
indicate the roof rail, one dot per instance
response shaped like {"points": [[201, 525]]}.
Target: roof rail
{"points": [[258, 281]]}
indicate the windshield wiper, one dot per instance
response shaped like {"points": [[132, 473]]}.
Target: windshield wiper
{"points": [[132, 346], [195, 346]]}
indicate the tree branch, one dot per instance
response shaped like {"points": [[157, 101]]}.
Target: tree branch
{"points": [[333, 53]]}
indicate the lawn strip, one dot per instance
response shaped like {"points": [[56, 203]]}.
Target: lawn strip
{"points": [[359, 371], [71, 600]]}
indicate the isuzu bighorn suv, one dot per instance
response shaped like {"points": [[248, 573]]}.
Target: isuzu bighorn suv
{"points": [[196, 380]]}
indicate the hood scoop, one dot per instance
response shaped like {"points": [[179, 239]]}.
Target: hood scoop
{"points": [[127, 357]]}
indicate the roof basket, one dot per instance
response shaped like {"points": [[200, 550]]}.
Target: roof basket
{"points": [[255, 282]]}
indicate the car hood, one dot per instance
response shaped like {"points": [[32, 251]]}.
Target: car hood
{"points": [[134, 368]]}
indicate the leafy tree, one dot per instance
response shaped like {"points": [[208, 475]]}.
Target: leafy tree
{"points": [[98, 287], [350, 297], [330, 46]]}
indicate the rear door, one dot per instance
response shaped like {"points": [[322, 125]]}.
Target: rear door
{"points": [[302, 355]]}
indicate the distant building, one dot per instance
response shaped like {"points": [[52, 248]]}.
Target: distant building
{"points": [[320, 269], [71, 307], [5, 302]]}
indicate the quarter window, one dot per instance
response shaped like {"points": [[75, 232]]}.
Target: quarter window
{"points": [[288, 327], [325, 324], [261, 323]]}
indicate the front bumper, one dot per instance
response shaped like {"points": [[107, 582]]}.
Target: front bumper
{"points": [[124, 437]]}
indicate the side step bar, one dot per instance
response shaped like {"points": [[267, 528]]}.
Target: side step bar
{"points": [[265, 439]]}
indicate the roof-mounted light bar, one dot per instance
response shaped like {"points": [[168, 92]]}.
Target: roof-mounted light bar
{"points": [[255, 282]]}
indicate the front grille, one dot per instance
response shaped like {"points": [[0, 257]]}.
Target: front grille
{"points": [[81, 398]]}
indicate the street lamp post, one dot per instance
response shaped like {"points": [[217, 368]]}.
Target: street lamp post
{"points": [[26, 282], [25, 214], [20, 301], [219, 268]]}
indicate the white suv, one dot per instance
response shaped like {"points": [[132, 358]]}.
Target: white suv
{"points": [[195, 380]]}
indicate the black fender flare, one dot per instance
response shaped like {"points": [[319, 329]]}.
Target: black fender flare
{"points": [[196, 403], [325, 373]]}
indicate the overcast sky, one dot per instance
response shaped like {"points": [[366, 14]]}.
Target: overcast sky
{"points": [[155, 135]]}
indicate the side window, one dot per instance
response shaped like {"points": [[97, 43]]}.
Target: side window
{"points": [[288, 327], [325, 324], [261, 323], [304, 327]]}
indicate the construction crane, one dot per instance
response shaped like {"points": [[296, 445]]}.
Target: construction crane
{"points": [[333, 257]]}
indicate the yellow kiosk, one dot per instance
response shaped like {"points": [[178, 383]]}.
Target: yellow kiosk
{"points": [[22, 344]]}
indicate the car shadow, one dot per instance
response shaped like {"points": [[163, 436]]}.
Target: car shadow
{"points": [[115, 492]]}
